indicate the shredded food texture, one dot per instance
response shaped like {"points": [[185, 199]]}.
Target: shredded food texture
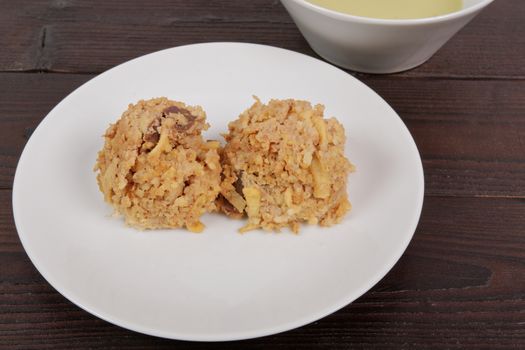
{"points": [[155, 168], [283, 165]]}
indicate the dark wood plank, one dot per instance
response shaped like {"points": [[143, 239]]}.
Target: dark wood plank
{"points": [[9, 242], [471, 134], [459, 285], [24, 102], [492, 45], [87, 36]]}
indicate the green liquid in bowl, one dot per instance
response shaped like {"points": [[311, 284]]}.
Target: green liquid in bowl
{"points": [[392, 9]]}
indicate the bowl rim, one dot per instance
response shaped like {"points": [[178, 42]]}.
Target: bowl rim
{"points": [[396, 22]]}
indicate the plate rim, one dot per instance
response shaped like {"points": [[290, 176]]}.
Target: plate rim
{"points": [[243, 335]]}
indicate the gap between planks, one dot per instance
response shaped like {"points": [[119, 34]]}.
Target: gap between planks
{"points": [[399, 76]]}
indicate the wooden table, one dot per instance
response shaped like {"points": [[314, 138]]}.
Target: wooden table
{"points": [[460, 284]]}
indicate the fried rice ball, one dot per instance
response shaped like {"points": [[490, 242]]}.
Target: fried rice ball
{"points": [[156, 169], [283, 165]]}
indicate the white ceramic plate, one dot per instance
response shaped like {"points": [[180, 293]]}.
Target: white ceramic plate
{"points": [[218, 285]]}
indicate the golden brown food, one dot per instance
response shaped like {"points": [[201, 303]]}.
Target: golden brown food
{"points": [[284, 164], [155, 168]]}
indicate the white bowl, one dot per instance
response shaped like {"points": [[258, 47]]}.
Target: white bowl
{"points": [[377, 45]]}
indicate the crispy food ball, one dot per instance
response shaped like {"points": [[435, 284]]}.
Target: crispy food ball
{"points": [[155, 168], [284, 164]]}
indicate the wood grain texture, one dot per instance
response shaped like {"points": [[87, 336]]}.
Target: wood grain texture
{"points": [[25, 99], [471, 134], [87, 36], [459, 285]]}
